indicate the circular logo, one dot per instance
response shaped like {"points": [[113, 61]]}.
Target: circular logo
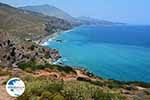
{"points": [[15, 87]]}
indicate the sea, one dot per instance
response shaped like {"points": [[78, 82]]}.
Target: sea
{"points": [[120, 52]]}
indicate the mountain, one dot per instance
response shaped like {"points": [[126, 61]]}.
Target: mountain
{"points": [[94, 21], [50, 11], [20, 23], [56, 12]]}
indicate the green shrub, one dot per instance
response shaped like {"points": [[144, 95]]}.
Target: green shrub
{"points": [[34, 98], [58, 97], [32, 47], [31, 65], [99, 95], [114, 84], [25, 65], [43, 88], [79, 90], [98, 83], [65, 69], [46, 95]]}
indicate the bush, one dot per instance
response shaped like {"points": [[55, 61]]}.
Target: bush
{"points": [[31, 65], [34, 98], [58, 97], [46, 95], [98, 83], [114, 84], [66, 69], [32, 47], [43, 88], [99, 95]]}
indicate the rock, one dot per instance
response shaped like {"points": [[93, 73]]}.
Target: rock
{"points": [[125, 92], [139, 88], [59, 41], [83, 79], [130, 88], [147, 91]]}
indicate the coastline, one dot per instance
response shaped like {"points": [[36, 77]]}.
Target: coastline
{"points": [[73, 76], [42, 41], [52, 36]]}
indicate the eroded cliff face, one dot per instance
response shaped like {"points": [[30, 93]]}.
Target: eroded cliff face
{"points": [[12, 54]]}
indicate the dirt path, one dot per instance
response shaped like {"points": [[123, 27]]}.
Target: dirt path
{"points": [[58, 75], [46, 73], [3, 93]]}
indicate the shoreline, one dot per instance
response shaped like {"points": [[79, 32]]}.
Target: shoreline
{"points": [[50, 37]]}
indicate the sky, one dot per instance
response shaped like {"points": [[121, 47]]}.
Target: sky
{"points": [[127, 11]]}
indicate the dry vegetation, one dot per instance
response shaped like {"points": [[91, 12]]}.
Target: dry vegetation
{"points": [[63, 83]]}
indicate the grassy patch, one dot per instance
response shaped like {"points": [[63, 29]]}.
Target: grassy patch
{"points": [[99, 95], [41, 88], [46, 89], [114, 84]]}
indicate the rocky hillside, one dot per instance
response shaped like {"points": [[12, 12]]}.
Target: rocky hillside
{"points": [[12, 54], [20, 23], [18, 30]]}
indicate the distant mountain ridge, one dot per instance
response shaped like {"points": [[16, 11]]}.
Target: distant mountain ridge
{"points": [[56, 12], [50, 11], [89, 20]]}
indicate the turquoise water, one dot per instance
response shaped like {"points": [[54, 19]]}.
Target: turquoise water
{"points": [[116, 52]]}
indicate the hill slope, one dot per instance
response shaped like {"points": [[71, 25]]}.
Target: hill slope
{"points": [[50, 11], [53, 11], [21, 23]]}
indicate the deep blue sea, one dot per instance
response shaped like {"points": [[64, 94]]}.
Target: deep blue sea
{"points": [[114, 52]]}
